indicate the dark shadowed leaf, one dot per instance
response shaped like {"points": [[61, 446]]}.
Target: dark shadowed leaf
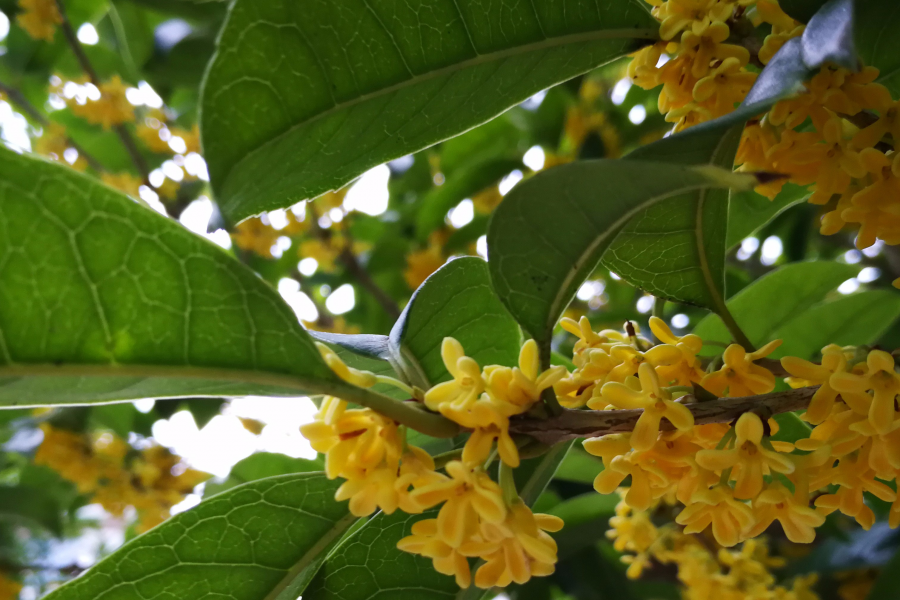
{"points": [[370, 82]]}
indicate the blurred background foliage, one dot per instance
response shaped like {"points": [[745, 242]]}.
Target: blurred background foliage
{"points": [[76, 482]]}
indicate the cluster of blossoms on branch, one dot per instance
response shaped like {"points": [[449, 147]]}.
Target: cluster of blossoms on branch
{"points": [[731, 479], [478, 517], [839, 136], [151, 480]]}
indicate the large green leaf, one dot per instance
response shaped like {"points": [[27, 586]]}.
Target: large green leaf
{"points": [[877, 22], [264, 539], [888, 581], [748, 211], [463, 184], [768, 304], [549, 233], [259, 466], [300, 98], [854, 320], [456, 300], [103, 300], [30, 504], [676, 249]]}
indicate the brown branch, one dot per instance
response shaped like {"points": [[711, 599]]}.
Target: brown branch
{"points": [[124, 136], [19, 99], [362, 276], [324, 319], [353, 266], [573, 424]]}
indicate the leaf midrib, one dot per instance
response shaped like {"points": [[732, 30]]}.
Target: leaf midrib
{"points": [[612, 230], [479, 59], [338, 529]]}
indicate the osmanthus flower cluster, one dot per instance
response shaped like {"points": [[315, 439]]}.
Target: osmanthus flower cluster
{"points": [[117, 476], [725, 478], [839, 136], [478, 517]]}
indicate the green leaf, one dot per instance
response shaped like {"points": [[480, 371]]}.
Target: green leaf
{"points": [[676, 249], [370, 82], [31, 505], [259, 466], [888, 581], [586, 507], [368, 565], [855, 320], [579, 466], [790, 428], [465, 183], [137, 305], [749, 211], [771, 302], [457, 300], [876, 23], [264, 539], [542, 251]]}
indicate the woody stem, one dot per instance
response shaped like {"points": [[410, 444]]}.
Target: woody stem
{"points": [[594, 423], [124, 136]]}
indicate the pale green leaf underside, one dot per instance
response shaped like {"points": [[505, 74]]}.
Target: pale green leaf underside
{"points": [[457, 301], [263, 540], [550, 232], [301, 97], [103, 300]]}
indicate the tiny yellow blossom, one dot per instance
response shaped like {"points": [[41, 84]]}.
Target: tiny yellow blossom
{"points": [[656, 402], [39, 18], [739, 376]]}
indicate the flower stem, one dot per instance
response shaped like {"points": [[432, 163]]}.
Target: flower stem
{"points": [[508, 484]]}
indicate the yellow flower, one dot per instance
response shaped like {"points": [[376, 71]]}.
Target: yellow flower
{"points": [[338, 325], [125, 182], [113, 108], [363, 379], [854, 477], [887, 123], [881, 380], [150, 137], [447, 560], [717, 507], [723, 87], [522, 386], [837, 162], [515, 550], [255, 236], [798, 520], [656, 402], [9, 588], [739, 376], [324, 252], [387, 488], [487, 200], [39, 18], [422, 263], [470, 497], [680, 15], [833, 361], [688, 368], [458, 394], [877, 206], [749, 459], [490, 421]]}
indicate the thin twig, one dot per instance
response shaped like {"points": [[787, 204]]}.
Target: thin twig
{"points": [[353, 266], [19, 99], [125, 137], [573, 424]]}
